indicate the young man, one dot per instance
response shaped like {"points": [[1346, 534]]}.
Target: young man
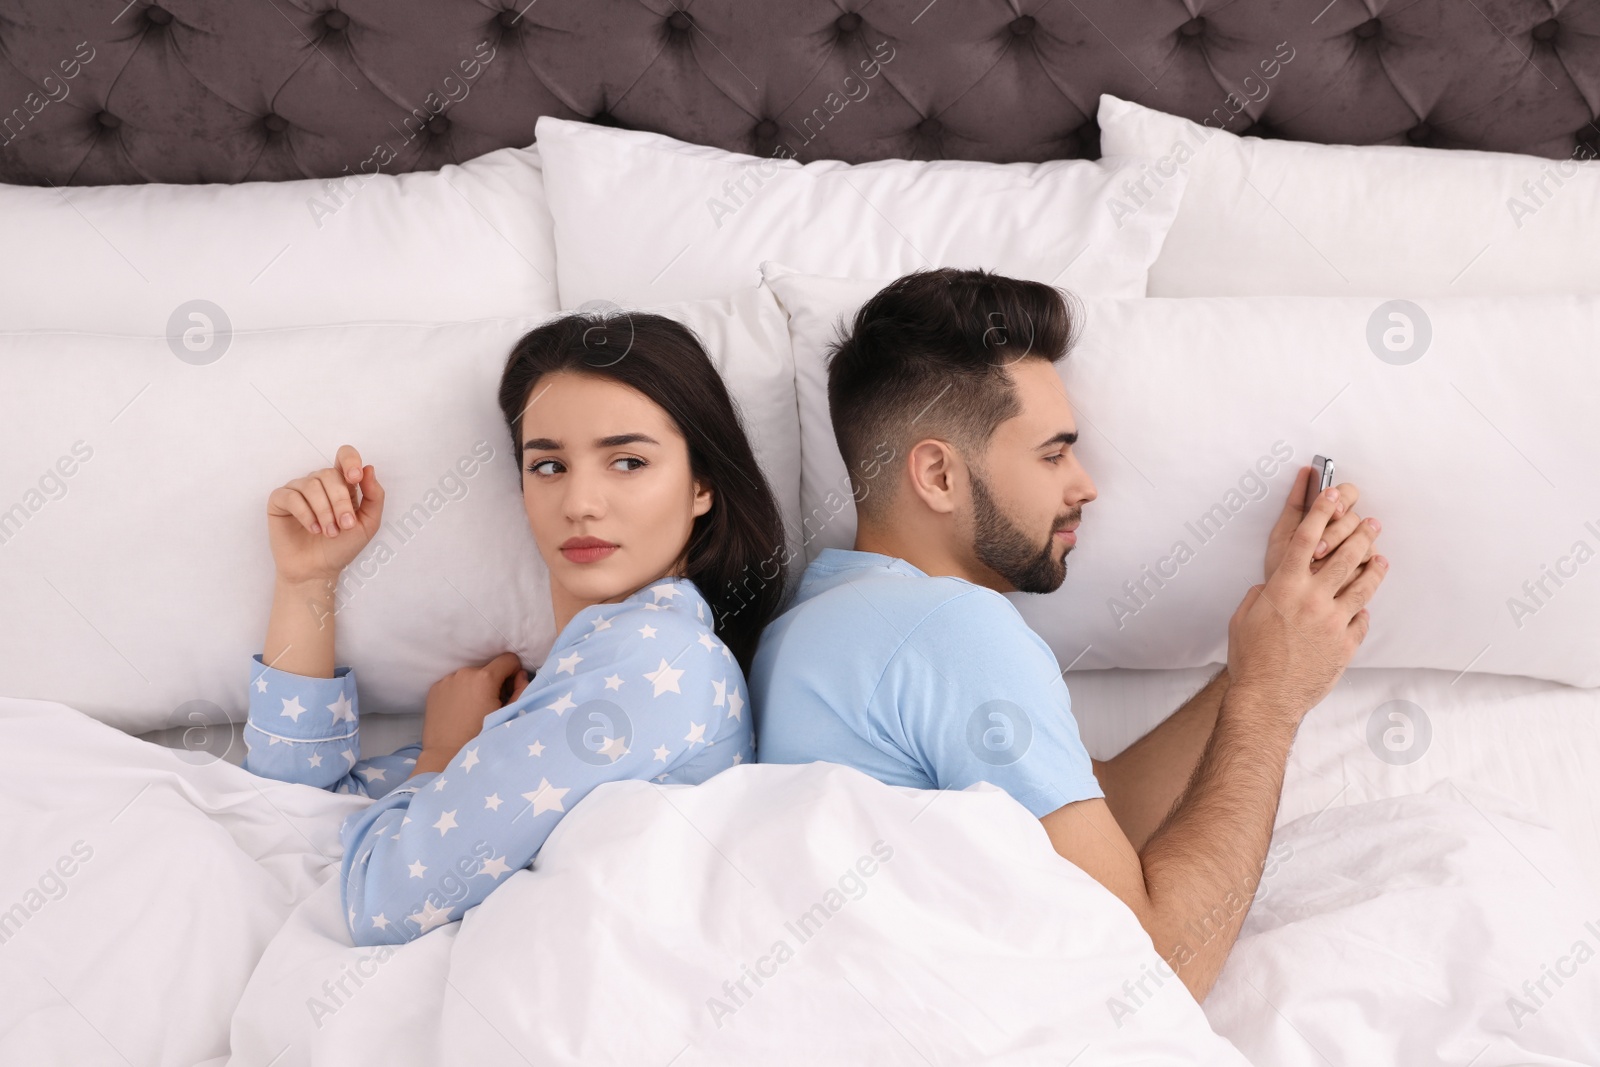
{"points": [[901, 658]]}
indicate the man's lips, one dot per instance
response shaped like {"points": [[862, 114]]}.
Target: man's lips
{"points": [[1068, 534]]}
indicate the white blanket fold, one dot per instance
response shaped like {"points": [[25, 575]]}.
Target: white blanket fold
{"points": [[165, 909]]}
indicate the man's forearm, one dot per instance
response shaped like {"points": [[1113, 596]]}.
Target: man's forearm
{"points": [[1145, 780], [1203, 864]]}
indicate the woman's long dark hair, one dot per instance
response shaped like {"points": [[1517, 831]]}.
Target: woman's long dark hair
{"points": [[736, 552]]}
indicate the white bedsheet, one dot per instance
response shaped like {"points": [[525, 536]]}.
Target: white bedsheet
{"points": [[1389, 931], [1415, 931], [1534, 742], [971, 941]]}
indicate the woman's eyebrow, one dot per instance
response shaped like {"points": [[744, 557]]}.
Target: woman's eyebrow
{"points": [[549, 444]]}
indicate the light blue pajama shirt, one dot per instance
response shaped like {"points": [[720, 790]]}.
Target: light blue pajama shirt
{"points": [[637, 689]]}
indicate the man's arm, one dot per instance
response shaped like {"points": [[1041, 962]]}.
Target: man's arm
{"points": [[1192, 882], [1144, 780]]}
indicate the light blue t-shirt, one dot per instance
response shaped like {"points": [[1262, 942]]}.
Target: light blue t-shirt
{"points": [[930, 682]]}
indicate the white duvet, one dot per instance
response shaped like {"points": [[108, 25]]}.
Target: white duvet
{"points": [[161, 911]]}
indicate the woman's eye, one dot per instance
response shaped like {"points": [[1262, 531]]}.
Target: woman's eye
{"points": [[533, 468], [632, 459]]}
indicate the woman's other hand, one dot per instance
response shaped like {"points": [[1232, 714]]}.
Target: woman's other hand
{"points": [[457, 705], [314, 524]]}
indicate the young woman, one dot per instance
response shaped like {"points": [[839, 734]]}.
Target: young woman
{"points": [[651, 514]]}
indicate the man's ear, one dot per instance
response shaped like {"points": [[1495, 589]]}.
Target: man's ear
{"points": [[933, 468]]}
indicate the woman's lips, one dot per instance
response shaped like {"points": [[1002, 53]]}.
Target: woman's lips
{"points": [[588, 553], [587, 549]]}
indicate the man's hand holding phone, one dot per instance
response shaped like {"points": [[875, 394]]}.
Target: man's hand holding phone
{"points": [[1343, 523], [1290, 639]]}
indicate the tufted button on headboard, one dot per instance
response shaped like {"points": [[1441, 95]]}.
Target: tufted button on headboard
{"points": [[204, 90]]}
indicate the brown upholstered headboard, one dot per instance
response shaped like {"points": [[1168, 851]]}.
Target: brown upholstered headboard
{"points": [[95, 92]]}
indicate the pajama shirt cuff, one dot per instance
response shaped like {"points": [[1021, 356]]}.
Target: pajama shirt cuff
{"points": [[297, 707]]}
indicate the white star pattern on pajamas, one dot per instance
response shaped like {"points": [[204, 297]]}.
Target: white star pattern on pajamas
{"points": [[430, 916], [672, 679], [545, 798], [343, 709], [665, 678]]}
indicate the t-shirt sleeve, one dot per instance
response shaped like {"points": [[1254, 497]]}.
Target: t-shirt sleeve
{"points": [[974, 695]]}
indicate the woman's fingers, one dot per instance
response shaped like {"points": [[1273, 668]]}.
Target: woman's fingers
{"points": [[348, 461], [501, 667], [284, 500], [371, 510], [311, 488], [339, 497]]}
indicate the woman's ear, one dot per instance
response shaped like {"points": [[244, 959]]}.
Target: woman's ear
{"points": [[702, 498]]}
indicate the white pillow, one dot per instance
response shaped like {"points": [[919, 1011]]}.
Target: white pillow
{"points": [[1263, 217], [134, 565], [1477, 458], [467, 241], [642, 217]]}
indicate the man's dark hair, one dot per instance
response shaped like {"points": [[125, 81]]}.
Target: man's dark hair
{"points": [[927, 357]]}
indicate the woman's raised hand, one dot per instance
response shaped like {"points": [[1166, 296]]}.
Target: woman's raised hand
{"points": [[316, 525]]}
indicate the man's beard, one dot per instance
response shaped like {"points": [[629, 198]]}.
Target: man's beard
{"points": [[1005, 548]]}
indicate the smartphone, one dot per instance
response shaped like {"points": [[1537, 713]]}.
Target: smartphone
{"points": [[1321, 479]]}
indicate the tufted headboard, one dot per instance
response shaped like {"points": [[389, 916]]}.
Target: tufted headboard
{"points": [[94, 92]]}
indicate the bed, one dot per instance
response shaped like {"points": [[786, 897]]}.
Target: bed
{"points": [[1371, 225]]}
